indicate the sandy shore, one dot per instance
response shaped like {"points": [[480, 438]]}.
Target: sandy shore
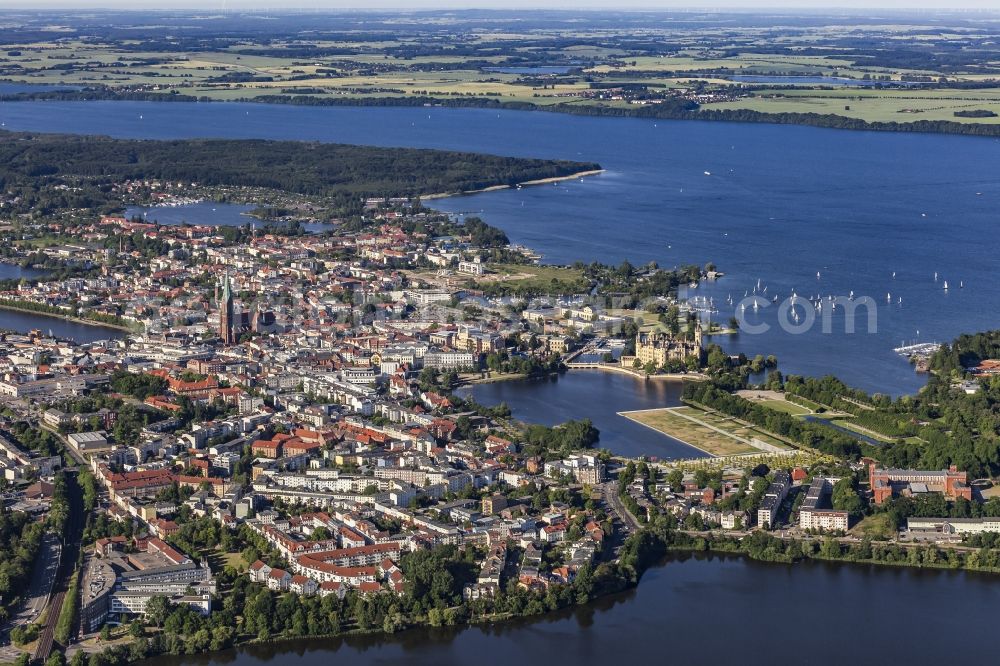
{"points": [[527, 183]]}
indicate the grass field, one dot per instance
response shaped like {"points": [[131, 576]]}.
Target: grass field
{"points": [[878, 526], [870, 105], [732, 440], [530, 276], [785, 406]]}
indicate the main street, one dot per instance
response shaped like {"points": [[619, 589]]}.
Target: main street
{"points": [[610, 492]]}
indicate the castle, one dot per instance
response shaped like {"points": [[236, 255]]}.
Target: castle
{"points": [[658, 348]]}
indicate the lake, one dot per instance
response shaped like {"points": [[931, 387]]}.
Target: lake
{"points": [[597, 395], [208, 213], [873, 213], [16, 272], [23, 322], [532, 69], [16, 88], [811, 210], [704, 610], [815, 81]]}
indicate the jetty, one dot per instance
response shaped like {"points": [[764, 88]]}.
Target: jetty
{"points": [[918, 349]]}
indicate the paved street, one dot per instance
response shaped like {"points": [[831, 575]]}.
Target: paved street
{"points": [[42, 577]]}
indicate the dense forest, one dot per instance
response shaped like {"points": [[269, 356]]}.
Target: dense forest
{"points": [[304, 168], [966, 351]]}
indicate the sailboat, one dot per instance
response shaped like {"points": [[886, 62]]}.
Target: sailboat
{"points": [[946, 285], [817, 275], [888, 298]]}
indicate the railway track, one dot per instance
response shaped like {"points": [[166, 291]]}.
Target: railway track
{"points": [[67, 567], [47, 638]]}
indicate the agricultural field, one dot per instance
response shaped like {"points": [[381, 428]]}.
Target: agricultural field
{"points": [[895, 105], [653, 64]]}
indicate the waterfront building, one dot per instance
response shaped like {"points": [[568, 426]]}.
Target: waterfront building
{"points": [[118, 583], [953, 526], [658, 347]]}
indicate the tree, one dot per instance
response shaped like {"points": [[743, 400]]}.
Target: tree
{"points": [[845, 497], [157, 610], [675, 479]]}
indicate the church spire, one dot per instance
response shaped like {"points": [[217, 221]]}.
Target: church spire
{"points": [[226, 330]]}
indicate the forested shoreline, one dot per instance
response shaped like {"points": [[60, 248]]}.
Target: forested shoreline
{"points": [[309, 168], [668, 110]]}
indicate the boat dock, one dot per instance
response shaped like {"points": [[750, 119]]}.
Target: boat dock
{"points": [[918, 349]]}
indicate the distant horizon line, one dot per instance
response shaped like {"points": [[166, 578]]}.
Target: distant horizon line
{"points": [[32, 7]]}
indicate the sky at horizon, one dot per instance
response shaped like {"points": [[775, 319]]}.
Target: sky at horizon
{"points": [[719, 5]]}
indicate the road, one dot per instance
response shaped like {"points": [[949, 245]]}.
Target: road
{"points": [[610, 491], [43, 575]]}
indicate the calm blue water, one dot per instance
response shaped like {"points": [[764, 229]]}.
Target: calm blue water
{"points": [[11, 88], [22, 322], [599, 396], [814, 80], [207, 213], [528, 70], [781, 204], [16, 272], [700, 611]]}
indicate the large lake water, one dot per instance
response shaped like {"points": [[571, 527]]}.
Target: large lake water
{"points": [[781, 205], [208, 213], [701, 611], [814, 80], [599, 396], [23, 322]]}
